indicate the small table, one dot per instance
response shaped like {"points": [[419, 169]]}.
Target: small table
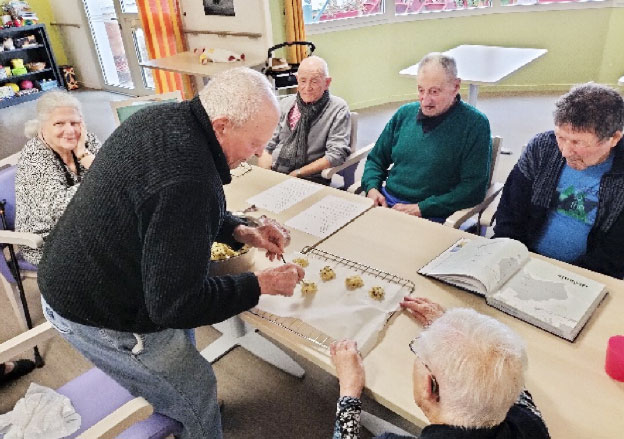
{"points": [[479, 65], [188, 63]]}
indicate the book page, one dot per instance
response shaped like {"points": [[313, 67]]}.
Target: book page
{"points": [[550, 297], [328, 215], [284, 195], [484, 264]]}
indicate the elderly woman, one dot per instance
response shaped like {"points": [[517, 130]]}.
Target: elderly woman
{"points": [[467, 378], [51, 166], [564, 198]]}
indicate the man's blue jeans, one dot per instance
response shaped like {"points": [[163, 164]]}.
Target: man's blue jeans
{"points": [[163, 367]]}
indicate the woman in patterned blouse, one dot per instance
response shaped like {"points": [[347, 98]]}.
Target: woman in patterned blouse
{"points": [[51, 165], [468, 378]]}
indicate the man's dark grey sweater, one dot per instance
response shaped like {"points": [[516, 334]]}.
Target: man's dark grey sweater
{"points": [[132, 250]]}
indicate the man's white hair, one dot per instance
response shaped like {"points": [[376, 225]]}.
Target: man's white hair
{"points": [[237, 94], [447, 63], [479, 364], [315, 63], [46, 104]]}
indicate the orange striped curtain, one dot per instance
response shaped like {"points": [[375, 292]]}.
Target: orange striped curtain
{"points": [[162, 25], [295, 30]]}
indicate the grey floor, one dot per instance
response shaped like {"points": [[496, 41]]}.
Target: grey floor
{"points": [[260, 401]]}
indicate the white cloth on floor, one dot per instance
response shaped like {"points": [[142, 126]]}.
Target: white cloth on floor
{"points": [[41, 414]]}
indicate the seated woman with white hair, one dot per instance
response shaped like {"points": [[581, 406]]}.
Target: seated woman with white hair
{"points": [[51, 166], [468, 378]]}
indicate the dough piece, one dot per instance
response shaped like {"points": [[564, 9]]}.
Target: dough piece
{"points": [[221, 252], [302, 262], [327, 273], [308, 288], [377, 293], [353, 282]]}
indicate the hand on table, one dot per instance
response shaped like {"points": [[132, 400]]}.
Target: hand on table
{"points": [[269, 235], [281, 280], [410, 209], [422, 309], [377, 197], [349, 367]]}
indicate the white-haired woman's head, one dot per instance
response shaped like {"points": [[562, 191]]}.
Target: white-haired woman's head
{"points": [[478, 364], [238, 94], [46, 106]]}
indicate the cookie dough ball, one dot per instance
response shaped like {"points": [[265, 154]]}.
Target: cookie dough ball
{"points": [[327, 273], [302, 262], [377, 293], [308, 288], [354, 282]]}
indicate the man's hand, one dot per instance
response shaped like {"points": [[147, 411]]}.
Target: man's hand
{"points": [[81, 146], [280, 281], [349, 367], [265, 160], [295, 173], [422, 309], [410, 209], [377, 197], [270, 236]]}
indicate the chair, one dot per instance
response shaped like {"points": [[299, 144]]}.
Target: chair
{"points": [[124, 109], [348, 168], [107, 410], [457, 219], [281, 74]]}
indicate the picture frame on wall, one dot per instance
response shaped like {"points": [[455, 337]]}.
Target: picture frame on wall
{"points": [[219, 7]]}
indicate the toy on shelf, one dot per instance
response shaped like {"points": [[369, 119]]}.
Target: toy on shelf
{"points": [[18, 13], [217, 55]]}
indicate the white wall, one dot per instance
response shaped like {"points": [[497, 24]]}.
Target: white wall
{"points": [[77, 41]]}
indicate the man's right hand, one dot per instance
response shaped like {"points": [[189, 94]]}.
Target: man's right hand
{"points": [[377, 197], [280, 281]]}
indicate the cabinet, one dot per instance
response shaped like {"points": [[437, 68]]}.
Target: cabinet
{"points": [[39, 50]]}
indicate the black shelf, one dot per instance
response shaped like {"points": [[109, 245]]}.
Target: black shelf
{"points": [[19, 99], [41, 52]]}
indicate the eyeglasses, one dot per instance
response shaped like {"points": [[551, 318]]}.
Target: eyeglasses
{"points": [[435, 388]]}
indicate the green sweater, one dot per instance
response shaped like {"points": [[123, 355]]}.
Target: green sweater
{"points": [[444, 170]]}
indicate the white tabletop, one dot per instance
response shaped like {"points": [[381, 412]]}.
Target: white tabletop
{"points": [[188, 63], [486, 64]]}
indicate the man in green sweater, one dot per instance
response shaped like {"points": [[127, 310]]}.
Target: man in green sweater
{"points": [[439, 149]]}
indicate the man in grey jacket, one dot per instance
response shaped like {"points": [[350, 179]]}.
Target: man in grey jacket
{"points": [[314, 130]]}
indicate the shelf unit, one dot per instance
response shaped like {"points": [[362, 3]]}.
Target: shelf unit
{"points": [[41, 52]]}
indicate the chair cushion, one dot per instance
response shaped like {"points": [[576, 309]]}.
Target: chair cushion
{"points": [[95, 395]]}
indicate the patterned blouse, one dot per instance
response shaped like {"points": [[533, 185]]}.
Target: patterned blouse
{"points": [[44, 186]]}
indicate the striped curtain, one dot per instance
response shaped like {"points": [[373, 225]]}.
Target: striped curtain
{"points": [[162, 25], [295, 30]]}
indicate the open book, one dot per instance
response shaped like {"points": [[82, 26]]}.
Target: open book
{"points": [[538, 292]]}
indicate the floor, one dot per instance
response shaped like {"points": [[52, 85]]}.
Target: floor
{"points": [[260, 401]]}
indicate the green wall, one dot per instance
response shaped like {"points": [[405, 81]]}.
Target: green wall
{"points": [[45, 15], [583, 45]]}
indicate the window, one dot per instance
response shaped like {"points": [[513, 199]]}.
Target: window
{"points": [[420, 6], [316, 11]]}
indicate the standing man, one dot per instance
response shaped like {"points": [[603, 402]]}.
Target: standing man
{"points": [[314, 130], [127, 267], [440, 148]]}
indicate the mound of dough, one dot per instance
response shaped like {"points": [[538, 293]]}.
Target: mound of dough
{"points": [[302, 262], [327, 273], [353, 282], [308, 287], [377, 293], [221, 252]]}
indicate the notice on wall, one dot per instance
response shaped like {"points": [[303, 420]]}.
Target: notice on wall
{"points": [[219, 7]]}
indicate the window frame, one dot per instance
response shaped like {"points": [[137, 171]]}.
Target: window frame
{"points": [[389, 16]]}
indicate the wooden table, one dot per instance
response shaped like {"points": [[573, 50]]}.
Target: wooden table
{"points": [[482, 65], [567, 380], [188, 63]]}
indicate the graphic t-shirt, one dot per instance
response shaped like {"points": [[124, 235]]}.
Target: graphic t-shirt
{"points": [[564, 236]]}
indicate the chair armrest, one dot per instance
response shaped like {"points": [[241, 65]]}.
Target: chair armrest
{"points": [[25, 341], [121, 419], [352, 159], [489, 213], [31, 240], [356, 188], [459, 217]]}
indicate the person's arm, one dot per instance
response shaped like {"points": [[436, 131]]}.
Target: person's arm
{"points": [[338, 143], [312, 168], [350, 373], [604, 254], [474, 173]]}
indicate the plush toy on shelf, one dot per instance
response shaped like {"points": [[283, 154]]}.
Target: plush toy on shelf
{"points": [[217, 55]]}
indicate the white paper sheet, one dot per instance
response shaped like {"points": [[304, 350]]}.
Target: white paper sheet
{"points": [[328, 215], [334, 310], [284, 195]]}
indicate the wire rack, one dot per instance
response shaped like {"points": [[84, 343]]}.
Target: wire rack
{"points": [[241, 170], [312, 335]]}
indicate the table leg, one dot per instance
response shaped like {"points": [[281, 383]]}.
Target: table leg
{"points": [[473, 93], [236, 333]]}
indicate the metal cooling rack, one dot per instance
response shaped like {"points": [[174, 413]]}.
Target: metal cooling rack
{"points": [[241, 170], [310, 334]]}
